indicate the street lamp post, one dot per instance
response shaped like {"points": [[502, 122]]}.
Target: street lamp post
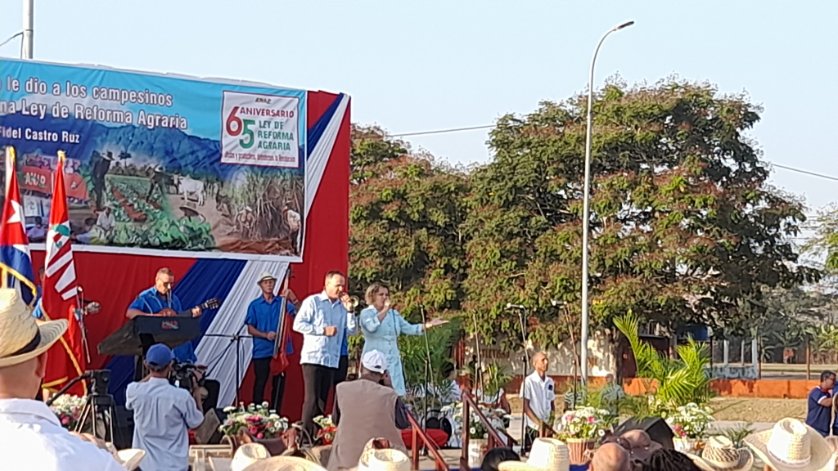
{"points": [[586, 207], [28, 28]]}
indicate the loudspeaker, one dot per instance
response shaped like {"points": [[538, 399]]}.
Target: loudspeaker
{"points": [[656, 427]]}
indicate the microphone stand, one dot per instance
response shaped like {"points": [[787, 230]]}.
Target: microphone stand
{"points": [[526, 359], [428, 373], [234, 338], [80, 313]]}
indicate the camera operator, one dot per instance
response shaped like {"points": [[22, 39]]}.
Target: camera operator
{"points": [[162, 414], [193, 379]]}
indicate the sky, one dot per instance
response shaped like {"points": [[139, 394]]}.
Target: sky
{"points": [[429, 65]]}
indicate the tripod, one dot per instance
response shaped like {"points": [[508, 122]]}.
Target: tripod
{"points": [[99, 410], [234, 339]]}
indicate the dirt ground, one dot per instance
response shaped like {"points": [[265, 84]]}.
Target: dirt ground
{"points": [[757, 410], [737, 409]]}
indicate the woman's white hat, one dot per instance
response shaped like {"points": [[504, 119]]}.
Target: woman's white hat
{"points": [[388, 459]]}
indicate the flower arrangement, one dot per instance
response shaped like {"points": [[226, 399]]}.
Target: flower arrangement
{"points": [[328, 429], [476, 428], [256, 420], [68, 410], [689, 421], [584, 423]]}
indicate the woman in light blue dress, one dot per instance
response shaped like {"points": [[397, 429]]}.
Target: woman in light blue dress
{"points": [[382, 326]]}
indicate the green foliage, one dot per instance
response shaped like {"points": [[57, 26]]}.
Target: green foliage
{"points": [[406, 212], [825, 242], [415, 353], [494, 377], [683, 223], [737, 435], [678, 382]]}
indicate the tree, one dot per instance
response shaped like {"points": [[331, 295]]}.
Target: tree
{"points": [[825, 242], [405, 217], [683, 223]]}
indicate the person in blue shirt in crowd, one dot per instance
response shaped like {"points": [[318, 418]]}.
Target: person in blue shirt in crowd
{"points": [[819, 404], [262, 322], [163, 414]]}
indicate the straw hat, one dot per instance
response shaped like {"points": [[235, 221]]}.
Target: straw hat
{"points": [[265, 276], [720, 454], [283, 463], [130, 458], [388, 459], [546, 454], [248, 454], [794, 446], [22, 337]]}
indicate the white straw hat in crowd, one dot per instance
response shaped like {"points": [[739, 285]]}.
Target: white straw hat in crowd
{"points": [[792, 445], [546, 454], [720, 454], [284, 463], [22, 337], [130, 458], [388, 459], [248, 454]]}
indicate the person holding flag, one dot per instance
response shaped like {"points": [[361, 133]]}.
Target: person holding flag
{"points": [[60, 290]]}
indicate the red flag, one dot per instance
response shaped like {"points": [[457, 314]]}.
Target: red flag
{"points": [[67, 357]]}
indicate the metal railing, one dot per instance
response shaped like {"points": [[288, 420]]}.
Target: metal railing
{"points": [[494, 440], [417, 434]]}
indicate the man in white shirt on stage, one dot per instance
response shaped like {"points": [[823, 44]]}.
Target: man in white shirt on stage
{"points": [[163, 414], [538, 393], [323, 321], [31, 437]]}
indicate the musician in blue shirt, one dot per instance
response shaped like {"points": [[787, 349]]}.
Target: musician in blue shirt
{"points": [[160, 300], [262, 321]]}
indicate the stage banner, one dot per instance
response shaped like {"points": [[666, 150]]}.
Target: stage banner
{"points": [[159, 164]]}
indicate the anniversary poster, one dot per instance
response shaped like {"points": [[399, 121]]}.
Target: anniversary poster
{"points": [[160, 164]]}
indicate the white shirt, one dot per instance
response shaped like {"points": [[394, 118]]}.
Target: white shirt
{"points": [[541, 394], [32, 438], [316, 312], [163, 415]]}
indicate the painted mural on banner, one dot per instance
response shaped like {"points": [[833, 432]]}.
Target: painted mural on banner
{"points": [[165, 165]]}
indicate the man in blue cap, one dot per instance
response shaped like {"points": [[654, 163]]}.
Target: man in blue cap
{"points": [[163, 414]]}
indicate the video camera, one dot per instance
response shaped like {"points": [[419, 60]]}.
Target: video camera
{"points": [[183, 376], [98, 380]]}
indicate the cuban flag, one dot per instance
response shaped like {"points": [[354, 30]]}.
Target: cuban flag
{"points": [[15, 261]]}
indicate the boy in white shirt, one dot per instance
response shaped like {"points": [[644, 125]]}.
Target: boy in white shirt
{"points": [[538, 393]]}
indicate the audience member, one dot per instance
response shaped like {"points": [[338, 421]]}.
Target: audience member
{"points": [[496, 456], [31, 437], [610, 457]]}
